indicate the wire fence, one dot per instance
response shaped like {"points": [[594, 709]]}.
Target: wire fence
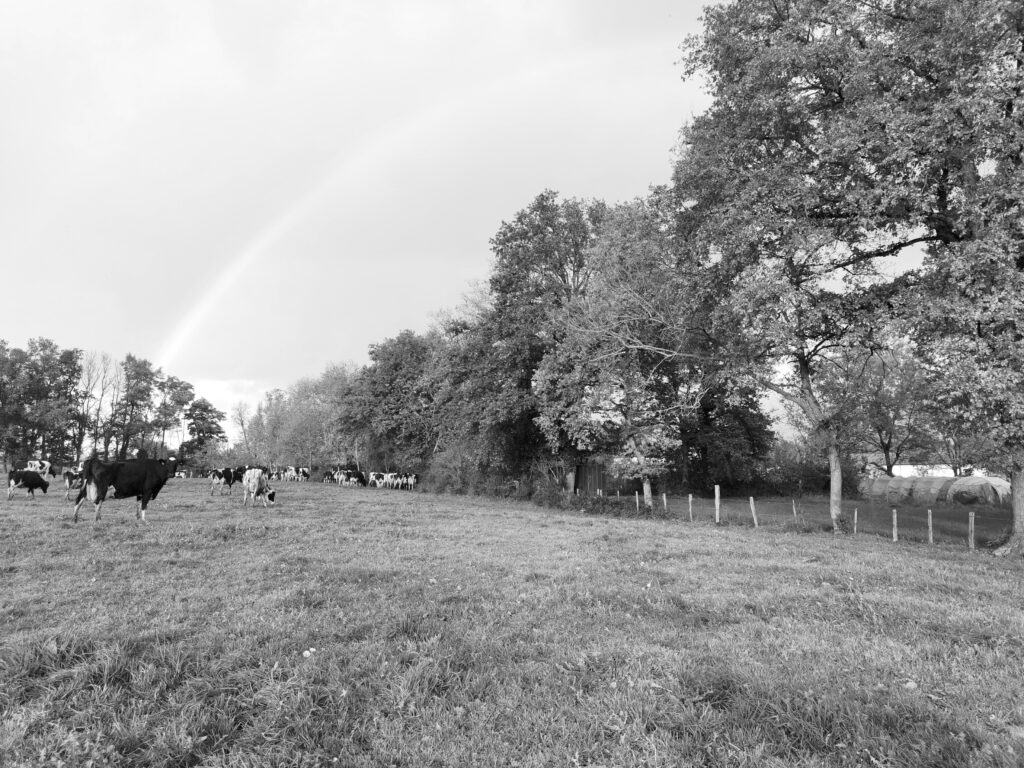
{"points": [[973, 525]]}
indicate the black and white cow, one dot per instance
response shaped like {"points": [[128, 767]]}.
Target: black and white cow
{"points": [[42, 467], [225, 477], [72, 482]]}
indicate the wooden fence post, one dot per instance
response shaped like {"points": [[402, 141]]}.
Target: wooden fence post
{"points": [[690, 501], [895, 530], [753, 511], [854, 521], [970, 530], [718, 505], [664, 501], [931, 537], [794, 510]]}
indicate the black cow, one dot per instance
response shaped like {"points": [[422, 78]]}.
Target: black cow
{"points": [[141, 477], [27, 479]]}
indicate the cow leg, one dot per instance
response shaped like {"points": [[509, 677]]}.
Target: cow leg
{"points": [[10, 491], [79, 499], [92, 491], [140, 510]]}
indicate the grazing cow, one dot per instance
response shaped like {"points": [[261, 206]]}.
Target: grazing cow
{"points": [[72, 482], [141, 477], [27, 479], [256, 483], [42, 467]]}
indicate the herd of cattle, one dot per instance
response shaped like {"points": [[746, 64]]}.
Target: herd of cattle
{"points": [[143, 478], [405, 481]]}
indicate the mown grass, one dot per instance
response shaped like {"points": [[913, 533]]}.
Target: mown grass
{"points": [[461, 631]]}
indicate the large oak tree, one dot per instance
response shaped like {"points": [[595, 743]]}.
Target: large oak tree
{"points": [[843, 133]]}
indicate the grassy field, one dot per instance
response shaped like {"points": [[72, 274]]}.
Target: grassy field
{"points": [[382, 628], [949, 521]]}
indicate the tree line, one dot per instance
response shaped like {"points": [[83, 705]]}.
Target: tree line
{"points": [[63, 404], [843, 138]]}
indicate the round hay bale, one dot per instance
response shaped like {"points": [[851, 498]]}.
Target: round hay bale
{"points": [[900, 490], [874, 488], [980, 490], [929, 490]]}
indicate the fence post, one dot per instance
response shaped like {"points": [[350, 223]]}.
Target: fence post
{"points": [[637, 501], [718, 505], [970, 530], [690, 501], [895, 530], [794, 510], [753, 511], [854, 521], [931, 537], [664, 501]]}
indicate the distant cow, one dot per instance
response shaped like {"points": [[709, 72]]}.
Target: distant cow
{"points": [[376, 480], [256, 483], [352, 477], [72, 482], [141, 477], [42, 467], [27, 479], [226, 477]]}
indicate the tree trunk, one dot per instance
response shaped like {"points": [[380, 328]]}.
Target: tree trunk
{"points": [[1015, 545], [648, 493], [835, 490]]}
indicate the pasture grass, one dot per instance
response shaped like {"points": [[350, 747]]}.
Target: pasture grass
{"points": [[460, 631]]}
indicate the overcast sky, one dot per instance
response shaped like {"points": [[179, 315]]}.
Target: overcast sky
{"points": [[246, 191]]}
